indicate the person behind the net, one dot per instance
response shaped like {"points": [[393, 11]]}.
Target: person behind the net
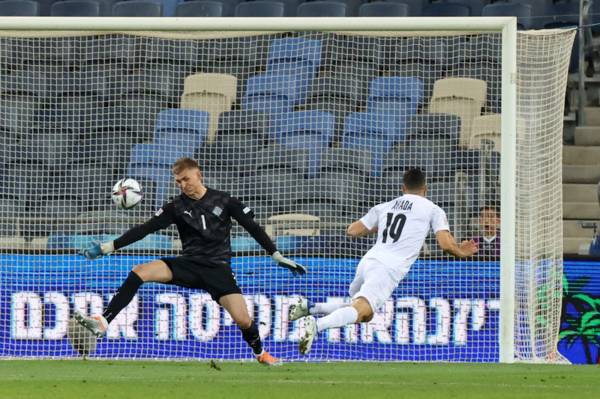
{"points": [[401, 226], [203, 219]]}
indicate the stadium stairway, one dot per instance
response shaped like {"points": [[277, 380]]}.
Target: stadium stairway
{"points": [[581, 174]]}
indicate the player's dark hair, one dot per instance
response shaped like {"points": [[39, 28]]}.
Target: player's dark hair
{"points": [[185, 163], [414, 179]]}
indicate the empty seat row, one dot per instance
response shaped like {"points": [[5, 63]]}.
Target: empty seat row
{"points": [[531, 13]]}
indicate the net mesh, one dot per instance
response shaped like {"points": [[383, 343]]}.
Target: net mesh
{"points": [[310, 130]]}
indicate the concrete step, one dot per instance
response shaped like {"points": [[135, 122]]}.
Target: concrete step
{"points": [[581, 174], [587, 135], [572, 228], [579, 155], [581, 210], [580, 192], [592, 116], [576, 245]]}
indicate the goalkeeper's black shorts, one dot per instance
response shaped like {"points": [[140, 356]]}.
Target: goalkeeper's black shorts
{"points": [[193, 272]]}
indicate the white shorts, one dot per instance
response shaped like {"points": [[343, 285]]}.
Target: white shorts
{"points": [[375, 282]]}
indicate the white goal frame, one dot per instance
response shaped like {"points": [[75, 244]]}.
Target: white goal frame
{"points": [[507, 26]]}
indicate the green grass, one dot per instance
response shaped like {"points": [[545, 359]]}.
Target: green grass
{"points": [[170, 380]]}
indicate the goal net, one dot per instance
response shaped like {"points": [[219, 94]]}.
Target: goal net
{"points": [[310, 129]]}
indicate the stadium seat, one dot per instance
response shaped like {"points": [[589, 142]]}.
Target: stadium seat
{"points": [[488, 71], [428, 74], [539, 11], [475, 6], [260, 8], [370, 132], [18, 113], [269, 93], [290, 7], [486, 128], [282, 51], [48, 150], [211, 92], [349, 160], [321, 9], [447, 10], [19, 8], [395, 95], [298, 57], [201, 8], [459, 96], [415, 7], [178, 128], [137, 8], [383, 9], [75, 8], [151, 78], [521, 11], [442, 127], [309, 130]]}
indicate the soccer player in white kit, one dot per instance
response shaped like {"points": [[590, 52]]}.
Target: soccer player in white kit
{"points": [[401, 226]]}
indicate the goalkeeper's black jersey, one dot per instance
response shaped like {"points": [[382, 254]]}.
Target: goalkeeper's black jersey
{"points": [[204, 225]]}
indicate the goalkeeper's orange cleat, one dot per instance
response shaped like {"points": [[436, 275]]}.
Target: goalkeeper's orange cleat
{"points": [[268, 360]]}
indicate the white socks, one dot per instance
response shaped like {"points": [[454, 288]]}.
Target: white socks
{"points": [[339, 318], [326, 307]]}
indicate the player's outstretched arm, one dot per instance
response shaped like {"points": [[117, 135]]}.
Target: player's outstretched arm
{"points": [[447, 242], [163, 218], [358, 229]]}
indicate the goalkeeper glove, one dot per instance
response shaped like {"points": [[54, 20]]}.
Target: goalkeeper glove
{"points": [[295, 268], [97, 250]]}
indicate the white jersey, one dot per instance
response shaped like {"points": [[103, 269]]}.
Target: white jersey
{"points": [[402, 226]]}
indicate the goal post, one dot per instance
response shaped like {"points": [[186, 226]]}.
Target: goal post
{"points": [[310, 132]]}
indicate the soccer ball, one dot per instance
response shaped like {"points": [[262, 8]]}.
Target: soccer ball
{"points": [[126, 193]]}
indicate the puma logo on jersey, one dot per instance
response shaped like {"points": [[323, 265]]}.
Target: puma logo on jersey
{"points": [[189, 213]]}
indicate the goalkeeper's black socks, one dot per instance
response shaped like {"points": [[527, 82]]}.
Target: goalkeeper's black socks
{"points": [[251, 336], [123, 296]]}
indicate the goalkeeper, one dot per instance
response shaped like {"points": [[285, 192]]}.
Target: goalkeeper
{"points": [[203, 219]]}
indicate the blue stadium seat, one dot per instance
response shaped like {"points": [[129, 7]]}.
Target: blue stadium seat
{"points": [[273, 93], [539, 11], [260, 8], [75, 8], [137, 8], [299, 57], [321, 9], [415, 7], [290, 7], [309, 130], [181, 128], [19, 8], [372, 133], [521, 11], [383, 9], [202, 8], [447, 10], [169, 7], [400, 95], [475, 6], [352, 6]]}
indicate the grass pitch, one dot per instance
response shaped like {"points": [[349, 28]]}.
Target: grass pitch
{"points": [[229, 380]]}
